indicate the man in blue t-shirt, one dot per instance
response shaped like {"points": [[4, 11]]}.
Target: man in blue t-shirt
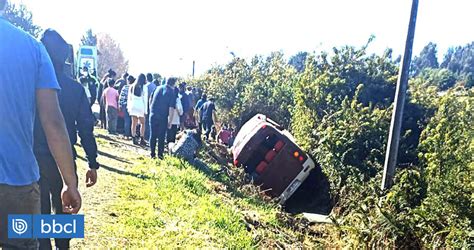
{"points": [[28, 84], [161, 114]]}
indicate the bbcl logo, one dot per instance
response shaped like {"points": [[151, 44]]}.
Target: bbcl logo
{"points": [[19, 226], [45, 226]]}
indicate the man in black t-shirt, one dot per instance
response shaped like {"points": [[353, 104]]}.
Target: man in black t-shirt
{"points": [[161, 114], [208, 116]]}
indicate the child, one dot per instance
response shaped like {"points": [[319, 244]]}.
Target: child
{"points": [[110, 97]]}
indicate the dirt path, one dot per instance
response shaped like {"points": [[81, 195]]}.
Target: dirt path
{"points": [[116, 157]]}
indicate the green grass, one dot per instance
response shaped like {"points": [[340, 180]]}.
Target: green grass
{"points": [[142, 203], [172, 204]]}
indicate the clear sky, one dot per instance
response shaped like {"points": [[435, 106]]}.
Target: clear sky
{"points": [[166, 36]]}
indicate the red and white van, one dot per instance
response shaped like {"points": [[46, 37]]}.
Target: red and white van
{"points": [[270, 154]]}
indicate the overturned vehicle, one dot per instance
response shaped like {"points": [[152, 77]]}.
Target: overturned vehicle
{"points": [[271, 156]]}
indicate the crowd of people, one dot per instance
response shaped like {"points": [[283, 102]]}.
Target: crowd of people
{"points": [[152, 111], [48, 109], [148, 110]]}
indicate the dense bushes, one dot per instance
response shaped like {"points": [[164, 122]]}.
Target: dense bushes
{"points": [[338, 106], [447, 154], [244, 89]]}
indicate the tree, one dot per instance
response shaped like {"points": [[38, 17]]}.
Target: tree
{"points": [[22, 18], [460, 60], [447, 58], [110, 55], [298, 61], [426, 59], [443, 79], [89, 39], [469, 81]]}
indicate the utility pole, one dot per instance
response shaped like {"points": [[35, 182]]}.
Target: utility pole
{"points": [[194, 65], [400, 94]]}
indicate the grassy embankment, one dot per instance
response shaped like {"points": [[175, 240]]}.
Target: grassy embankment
{"points": [[148, 203]]}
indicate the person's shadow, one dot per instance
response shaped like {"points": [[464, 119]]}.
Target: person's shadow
{"points": [[116, 170]]}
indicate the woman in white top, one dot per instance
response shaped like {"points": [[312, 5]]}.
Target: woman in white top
{"points": [[136, 108], [178, 112], [175, 123]]}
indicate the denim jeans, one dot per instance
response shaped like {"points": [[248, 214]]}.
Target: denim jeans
{"points": [[127, 123], [158, 132], [112, 115], [147, 127], [208, 123]]}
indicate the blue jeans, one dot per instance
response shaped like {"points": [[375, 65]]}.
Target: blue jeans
{"points": [[158, 132], [112, 116], [127, 123], [208, 123], [147, 127]]}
